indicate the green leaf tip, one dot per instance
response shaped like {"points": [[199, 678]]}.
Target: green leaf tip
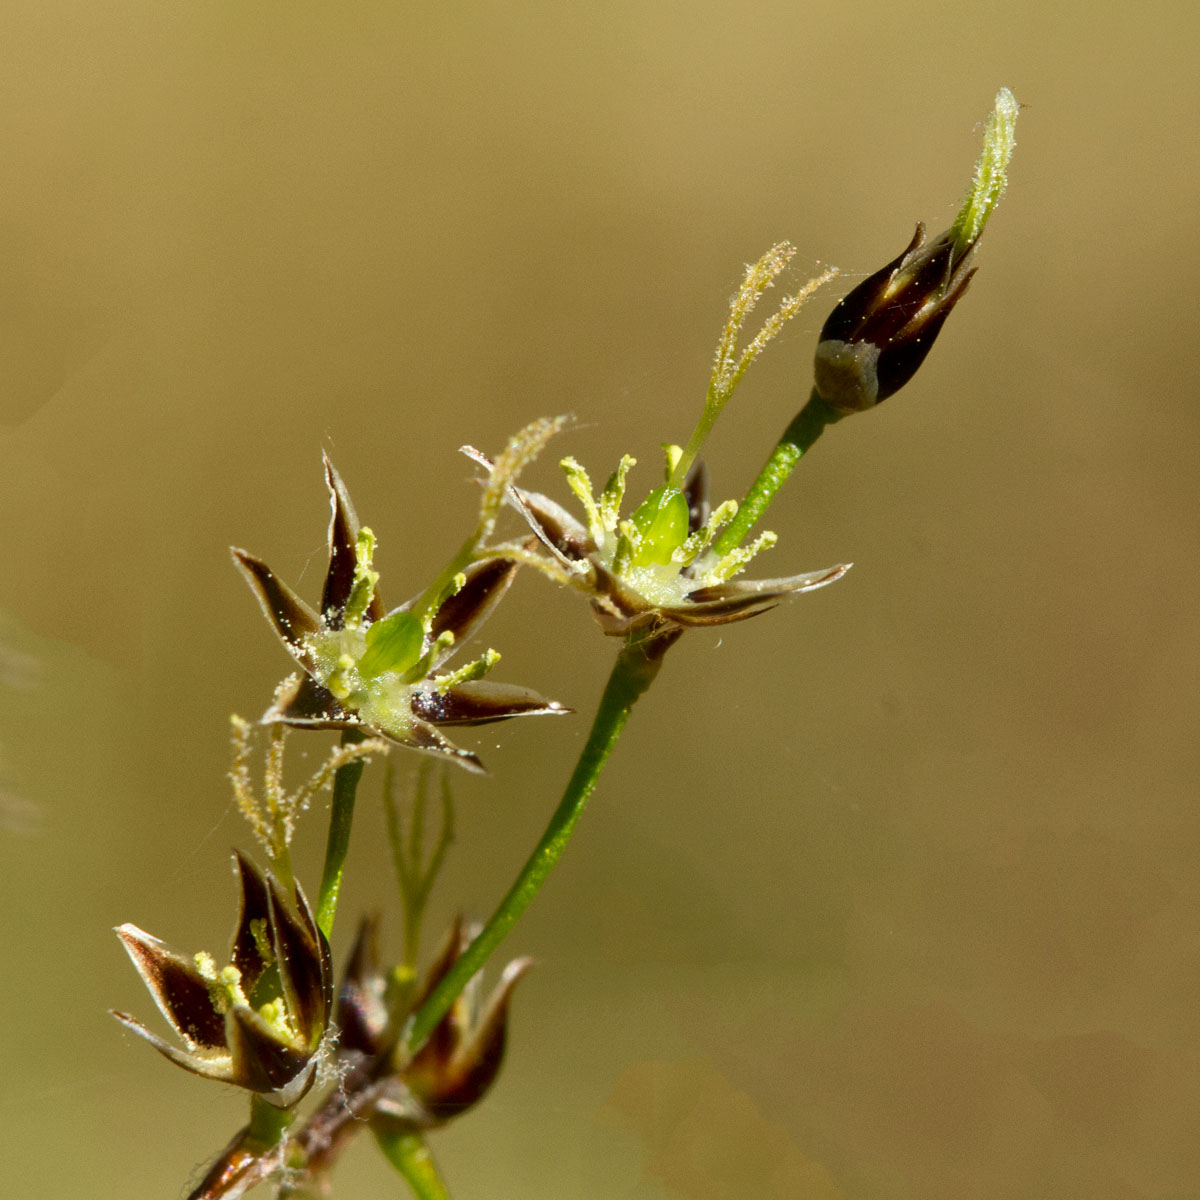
{"points": [[991, 177]]}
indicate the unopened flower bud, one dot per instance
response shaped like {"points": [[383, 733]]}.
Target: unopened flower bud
{"points": [[877, 337]]}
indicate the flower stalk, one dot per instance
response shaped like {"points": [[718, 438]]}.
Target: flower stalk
{"points": [[268, 1124], [410, 1156], [635, 669], [797, 439]]}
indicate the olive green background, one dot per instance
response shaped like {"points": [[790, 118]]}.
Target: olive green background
{"points": [[891, 894]]}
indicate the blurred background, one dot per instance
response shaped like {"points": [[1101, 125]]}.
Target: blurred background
{"points": [[891, 894]]}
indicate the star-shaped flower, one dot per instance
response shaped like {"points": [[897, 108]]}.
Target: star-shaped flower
{"points": [[364, 668], [657, 570], [259, 1022], [663, 569]]}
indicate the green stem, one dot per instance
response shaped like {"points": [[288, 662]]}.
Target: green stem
{"points": [[807, 425], [267, 1125], [632, 673], [337, 844], [410, 1156]]}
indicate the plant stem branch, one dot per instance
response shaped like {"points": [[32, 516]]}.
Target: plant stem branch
{"points": [[806, 426], [337, 845], [267, 1124], [635, 669], [349, 1107], [410, 1156]]}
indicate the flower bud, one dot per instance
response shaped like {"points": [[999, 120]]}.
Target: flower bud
{"points": [[361, 1015], [878, 336]]}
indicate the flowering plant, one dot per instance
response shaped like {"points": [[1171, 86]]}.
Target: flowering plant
{"points": [[393, 1048]]}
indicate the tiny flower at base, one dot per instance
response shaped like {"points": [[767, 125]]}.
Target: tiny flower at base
{"points": [[375, 671], [362, 1015], [258, 1023], [457, 1066], [462, 1057], [879, 334]]}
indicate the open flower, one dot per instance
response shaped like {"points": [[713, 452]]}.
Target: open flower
{"points": [[258, 1023], [666, 567], [370, 670], [658, 570]]}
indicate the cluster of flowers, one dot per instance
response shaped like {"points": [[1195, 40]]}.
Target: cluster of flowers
{"points": [[263, 1021], [272, 1018]]}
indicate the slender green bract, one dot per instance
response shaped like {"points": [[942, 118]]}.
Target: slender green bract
{"points": [[337, 844], [410, 1156], [807, 425], [634, 671]]}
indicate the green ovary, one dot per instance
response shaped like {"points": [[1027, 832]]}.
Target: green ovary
{"points": [[393, 644], [379, 694], [662, 521]]}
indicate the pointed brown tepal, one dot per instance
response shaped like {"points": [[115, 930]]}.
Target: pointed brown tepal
{"points": [[343, 535], [463, 613], [292, 618], [695, 492], [178, 988], [425, 737], [480, 702], [554, 526], [303, 702], [255, 913]]}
